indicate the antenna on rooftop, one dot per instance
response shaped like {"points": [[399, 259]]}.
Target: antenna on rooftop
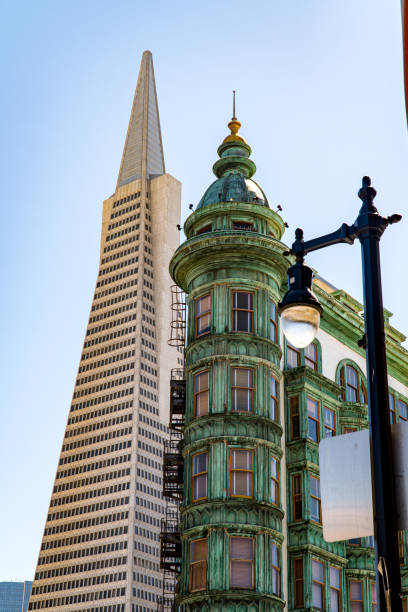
{"points": [[233, 105]]}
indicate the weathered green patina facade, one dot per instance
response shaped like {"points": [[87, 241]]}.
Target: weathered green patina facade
{"points": [[234, 247]]}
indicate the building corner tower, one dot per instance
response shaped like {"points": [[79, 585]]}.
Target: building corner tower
{"points": [[250, 535], [232, 268], [100, 547]]}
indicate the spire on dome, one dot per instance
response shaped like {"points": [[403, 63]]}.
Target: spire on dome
{"points": [[143, 151], [234, 152], [234, 170]]}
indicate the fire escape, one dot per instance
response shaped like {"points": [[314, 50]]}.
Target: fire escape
{"points": [[173, 468]]}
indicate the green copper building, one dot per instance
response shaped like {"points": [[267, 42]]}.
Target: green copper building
{"points": [[249, 534]]}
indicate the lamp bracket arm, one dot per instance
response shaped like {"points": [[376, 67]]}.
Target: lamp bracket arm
{"points": [[345, 234]]}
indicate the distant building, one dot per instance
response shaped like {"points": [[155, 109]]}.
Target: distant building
{"points": [[14, 596], [100, 549]]}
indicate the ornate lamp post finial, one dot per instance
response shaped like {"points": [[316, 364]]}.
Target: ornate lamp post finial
{"points": [[367, 194]]}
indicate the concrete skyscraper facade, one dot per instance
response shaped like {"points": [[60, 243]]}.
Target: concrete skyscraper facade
{"points": [[100, 547]]}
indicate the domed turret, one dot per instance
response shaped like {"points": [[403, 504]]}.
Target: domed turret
{"points": [[234, 170]]}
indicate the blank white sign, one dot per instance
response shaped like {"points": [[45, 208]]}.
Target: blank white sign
{"points": [[345, 483]]}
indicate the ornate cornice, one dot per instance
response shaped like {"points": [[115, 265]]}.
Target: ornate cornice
{"points": [[215, 250], [228, 599], [297, 376], [226, 209], [221, 347], [276, 429]]}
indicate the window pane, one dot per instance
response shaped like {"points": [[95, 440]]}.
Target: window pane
{"points": [[273, 399], [204, 230], [242, 548], [363, 394], [351, 376], [274, 409], [200, 463], [298, 572], [299, 599], [201, 381], [313, 430], [274, 389], [275, 570], [315, 486], [241, 574], [317, 596], [198, 550], [242, 459], [242, 377], [298, 568], [355, 541], [317, 571], [242, 400], [242, 225], [329, 423], [200, 476], [356, 607], [329, 417], [203, 323], [198, 565], [201, 397], [243, 300], [198, 576], [202, 403], [241, 483], [334, 601], [203, 304], [293, 357], [403, 410], [200, 486], [242, 321], [274, 492], [392, 407], [335, 577], [311, 352], [315, 510], [275, 582], [356, 590], [312, 408], [274, 468], [294, 416], [241, 562]]}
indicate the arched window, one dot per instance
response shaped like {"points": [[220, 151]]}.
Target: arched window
{"points": [[354, 389], [310, 356]]}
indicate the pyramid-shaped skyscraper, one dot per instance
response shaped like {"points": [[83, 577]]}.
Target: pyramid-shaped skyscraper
{"points": [[100, 547]]}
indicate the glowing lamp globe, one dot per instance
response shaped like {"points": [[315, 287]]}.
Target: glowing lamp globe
{"points": [[300, 310]]}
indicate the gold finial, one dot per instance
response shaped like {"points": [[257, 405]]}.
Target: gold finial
{"points": [[234, 125]]}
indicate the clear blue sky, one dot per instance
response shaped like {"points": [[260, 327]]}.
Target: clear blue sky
{"points": [[320, 96]]}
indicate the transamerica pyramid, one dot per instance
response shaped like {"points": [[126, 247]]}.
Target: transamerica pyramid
{"points": [[143, 150], [100, 547]]}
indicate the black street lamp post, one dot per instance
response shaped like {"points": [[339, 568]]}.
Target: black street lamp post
{"points": [[300, 315]]}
